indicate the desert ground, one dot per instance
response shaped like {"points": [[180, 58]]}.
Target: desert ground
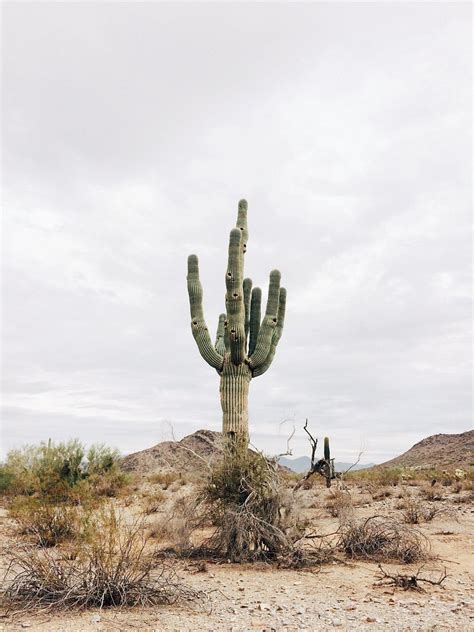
{"points": [[344, 593]]}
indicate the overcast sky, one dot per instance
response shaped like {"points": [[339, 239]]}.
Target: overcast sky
{"points": [[130, 132]]}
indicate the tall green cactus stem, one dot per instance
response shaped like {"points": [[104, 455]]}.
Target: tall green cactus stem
{"points": [[245, 345], [327, 452]]}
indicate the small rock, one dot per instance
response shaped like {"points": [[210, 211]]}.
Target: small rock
{"points": [[95, 618], [336, 623], [26, 625], [263, 606], [371, 620]]}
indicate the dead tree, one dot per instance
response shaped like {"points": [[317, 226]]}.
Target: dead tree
{"points": [[324, 466]]}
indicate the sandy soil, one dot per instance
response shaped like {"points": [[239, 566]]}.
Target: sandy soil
{"points": [[341, 595]]}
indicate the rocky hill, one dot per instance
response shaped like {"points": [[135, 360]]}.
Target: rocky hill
{"points": [[190, 455], [440, 451]]}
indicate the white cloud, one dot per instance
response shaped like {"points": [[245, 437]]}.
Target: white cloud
{"points": [[130, 133]]}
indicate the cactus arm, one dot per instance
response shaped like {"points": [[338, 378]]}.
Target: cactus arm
{"points": [[276, 335], [198, 324], [242, 224], [220, 344], [247, 292], [234, 298], [255, 317], [265, 335]]}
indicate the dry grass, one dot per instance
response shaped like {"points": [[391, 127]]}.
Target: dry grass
{"points": [[381, 538], [112, 567], [339, 504], [178, 526], [153, 503], [380, 494], [168, 479]]}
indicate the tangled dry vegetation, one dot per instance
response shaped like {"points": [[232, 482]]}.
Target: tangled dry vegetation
{"points": [[109, 564], [244, 499], [77, 549], [383, 538], [71, 547]]}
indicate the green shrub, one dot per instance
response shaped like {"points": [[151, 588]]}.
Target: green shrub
{"points": [[6, 479], [63, 472]]}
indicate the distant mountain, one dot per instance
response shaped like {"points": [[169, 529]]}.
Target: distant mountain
{"points": [[303, 463], [439, 451]]}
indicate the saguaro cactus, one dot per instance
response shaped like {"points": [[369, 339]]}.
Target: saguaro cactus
{"points": [[245, 345]]}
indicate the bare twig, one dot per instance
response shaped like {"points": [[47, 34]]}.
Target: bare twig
{"points": [[313, 442], [353, 464], [408, 582]]}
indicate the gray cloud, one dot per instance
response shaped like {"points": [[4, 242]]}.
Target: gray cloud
{"points": [[129, 133]]}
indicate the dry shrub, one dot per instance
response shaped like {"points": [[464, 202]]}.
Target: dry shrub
{"points": [[112, 567], [153, 503], [382, 538], [415, 512], [432, 492], [46, 524], [339, 504], [245, 500], [380, 494], [468, 483], [165, 479], [464, 498], [177, 527]]}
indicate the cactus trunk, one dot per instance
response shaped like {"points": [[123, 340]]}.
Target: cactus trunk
{"points": [[234, 391]]}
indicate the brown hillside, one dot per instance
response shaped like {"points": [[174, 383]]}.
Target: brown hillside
{"points": [[440, 451], [189, 455]]}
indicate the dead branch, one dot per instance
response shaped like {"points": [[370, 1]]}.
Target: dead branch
{"points": [[313, 442], [408, 582], [288, 452], [342, 474]]}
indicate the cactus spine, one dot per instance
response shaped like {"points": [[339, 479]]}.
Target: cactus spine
{"points": [[245, 344]]}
